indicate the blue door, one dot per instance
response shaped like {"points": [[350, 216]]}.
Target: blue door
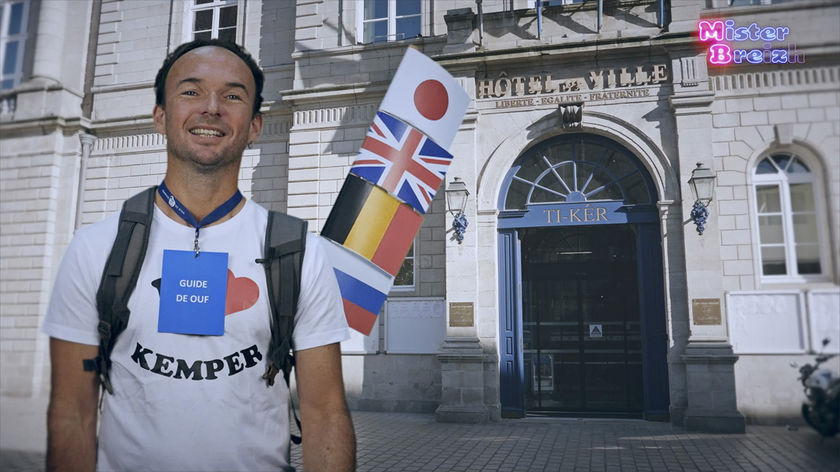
{"points": [[581, 330], [510, 286]]}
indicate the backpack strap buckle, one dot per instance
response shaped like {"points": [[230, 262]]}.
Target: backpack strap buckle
{"points": [[271, 372], [106, 382], [97, 365], [104, 329]]}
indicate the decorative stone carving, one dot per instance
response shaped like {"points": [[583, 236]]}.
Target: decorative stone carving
{"points": [[571, 114], [688, 72]]}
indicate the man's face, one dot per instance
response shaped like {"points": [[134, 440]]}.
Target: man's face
{"points": [[207, 119]]}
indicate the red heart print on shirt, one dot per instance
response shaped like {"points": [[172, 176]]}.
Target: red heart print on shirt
{"points": [[242, 293]]}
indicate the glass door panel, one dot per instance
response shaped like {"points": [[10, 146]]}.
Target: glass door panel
{"points": [[581, 339]]}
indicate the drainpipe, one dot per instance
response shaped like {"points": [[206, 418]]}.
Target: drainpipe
{"points": [[341, 23], [87, 144], [600, 14], [86, 139], [661, 13], [90, 64], [480, 22]]}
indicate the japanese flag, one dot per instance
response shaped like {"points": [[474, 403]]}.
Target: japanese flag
{"points": [[425, 96]]}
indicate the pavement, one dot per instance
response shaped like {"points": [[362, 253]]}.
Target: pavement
{"points": [[404, 442]]}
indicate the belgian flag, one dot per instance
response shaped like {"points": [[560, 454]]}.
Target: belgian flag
{"points": [[372, 223]]}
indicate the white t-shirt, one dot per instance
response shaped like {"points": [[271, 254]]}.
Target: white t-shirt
{"points": [[186, 402]]}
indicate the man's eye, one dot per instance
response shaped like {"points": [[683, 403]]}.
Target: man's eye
{"points": [[234, 97], [189, 92]]}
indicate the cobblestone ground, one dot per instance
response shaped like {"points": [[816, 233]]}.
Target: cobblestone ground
{"points": [[407, 442]]}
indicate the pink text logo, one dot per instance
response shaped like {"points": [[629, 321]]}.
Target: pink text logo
{"points": [[720, 33]]}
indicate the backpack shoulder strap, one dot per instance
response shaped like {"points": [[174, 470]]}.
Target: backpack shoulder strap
{"points": [[285, 243], [120, 277]]}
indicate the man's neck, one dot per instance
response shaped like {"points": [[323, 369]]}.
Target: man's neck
{"points": [[199, 193]]}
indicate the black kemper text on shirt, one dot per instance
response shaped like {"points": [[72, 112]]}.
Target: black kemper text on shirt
{"points": [[169, 366]]}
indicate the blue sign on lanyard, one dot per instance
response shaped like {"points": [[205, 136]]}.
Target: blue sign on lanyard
{"points": [[192, 293], [185, 214]]}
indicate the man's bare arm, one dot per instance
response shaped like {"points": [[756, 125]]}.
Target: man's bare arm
{"points": [[71, 417], [329, 443]]}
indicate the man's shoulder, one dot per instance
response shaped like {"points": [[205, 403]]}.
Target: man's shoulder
{"points": [[264, 211], [100, 234]]}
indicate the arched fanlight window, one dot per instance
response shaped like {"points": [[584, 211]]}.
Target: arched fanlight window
{"points": [[577, 168], [789, 238]]}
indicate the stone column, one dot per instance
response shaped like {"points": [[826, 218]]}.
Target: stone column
{"points": [[462, 356], [670, 218], [708, 358]]}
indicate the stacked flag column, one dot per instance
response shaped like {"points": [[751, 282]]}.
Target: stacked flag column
{"points": [[391, 184]]}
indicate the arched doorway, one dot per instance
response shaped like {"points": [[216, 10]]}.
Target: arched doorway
{"points": [[582, 319]]}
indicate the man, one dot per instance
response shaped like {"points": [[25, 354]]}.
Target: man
{"points": [[197, 402]]}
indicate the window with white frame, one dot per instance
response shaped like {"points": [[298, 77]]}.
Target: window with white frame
{"points": [[405, 277], [789, 218], [214, 19], [13, 31], [389, 20]]}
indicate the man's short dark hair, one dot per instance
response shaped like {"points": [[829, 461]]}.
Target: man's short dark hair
{"points": [[160, 79]]}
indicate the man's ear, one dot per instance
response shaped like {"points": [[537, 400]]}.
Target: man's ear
{"points": [[255, 129], [159, 115]]}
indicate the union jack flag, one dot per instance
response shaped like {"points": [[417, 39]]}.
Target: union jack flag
{"points": [[402, 160]]}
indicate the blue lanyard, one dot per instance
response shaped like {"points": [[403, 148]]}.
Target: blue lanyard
{"points": [[185, 214]]}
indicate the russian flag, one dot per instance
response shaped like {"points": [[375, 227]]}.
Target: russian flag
{"points": [[364, 286]]}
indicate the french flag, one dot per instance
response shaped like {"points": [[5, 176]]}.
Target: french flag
{"points": [[364, 286]]}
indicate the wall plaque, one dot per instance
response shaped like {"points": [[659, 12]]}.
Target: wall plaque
{"points": [[461, 314], [706, 311], [415, 325]]}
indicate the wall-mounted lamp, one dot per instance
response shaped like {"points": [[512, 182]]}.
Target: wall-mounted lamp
{"points": [[456, 201], [702, 183]]}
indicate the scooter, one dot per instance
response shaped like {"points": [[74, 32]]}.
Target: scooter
{"points": [[822, 389]]}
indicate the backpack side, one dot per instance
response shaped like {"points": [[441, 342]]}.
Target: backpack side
{"points": [[119, 278], [285, 243]]}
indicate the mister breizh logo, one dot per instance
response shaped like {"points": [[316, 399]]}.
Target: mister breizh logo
{"points": [[723, 34]]}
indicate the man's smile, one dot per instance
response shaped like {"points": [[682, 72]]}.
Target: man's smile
{"points": [[208, 132]]}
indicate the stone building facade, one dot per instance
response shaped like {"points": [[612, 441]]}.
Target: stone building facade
{"points": [[583, 286]]}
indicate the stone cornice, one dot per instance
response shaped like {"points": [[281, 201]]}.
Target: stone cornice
{"points": [[329, 117], [333, 92], [691, 103], [275, 128], [603, 47], [122, 87], [359, 48], [43, 126], [802, 79], [135, 141]]}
